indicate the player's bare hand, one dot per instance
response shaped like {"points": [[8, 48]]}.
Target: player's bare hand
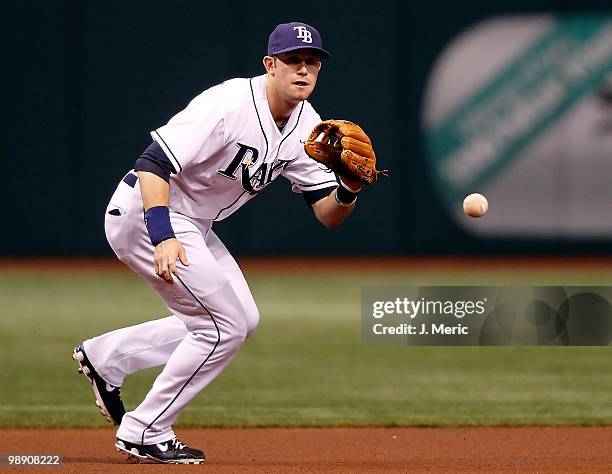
{"points": [[166, 254]]}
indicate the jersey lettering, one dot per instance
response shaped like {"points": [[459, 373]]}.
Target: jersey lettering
{"points": [[274, 167], [262, 177], [246, 154], [252, 181], [248, 179]]}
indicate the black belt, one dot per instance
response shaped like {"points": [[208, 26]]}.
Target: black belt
{"points": [[130, 179]]}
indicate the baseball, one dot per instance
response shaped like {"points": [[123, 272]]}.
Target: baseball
{"points": [[475, 205]]}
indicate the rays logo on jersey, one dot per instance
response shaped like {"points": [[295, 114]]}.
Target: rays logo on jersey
{"points": [[253, 179]]}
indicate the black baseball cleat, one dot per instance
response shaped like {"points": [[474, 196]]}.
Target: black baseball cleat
{"points": [[108, 397], [168, 452]]}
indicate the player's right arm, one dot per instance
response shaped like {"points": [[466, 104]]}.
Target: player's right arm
{"points": [[153, 176], [188, 138]]}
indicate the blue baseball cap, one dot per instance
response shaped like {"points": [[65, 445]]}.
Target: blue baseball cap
{"points": [[291, 36]]}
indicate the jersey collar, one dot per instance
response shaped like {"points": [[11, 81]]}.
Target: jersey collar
{"points": [[263, 109]]}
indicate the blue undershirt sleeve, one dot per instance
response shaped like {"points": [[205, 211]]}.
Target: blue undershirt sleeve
{"points": [[313, 196], [154, 160]]}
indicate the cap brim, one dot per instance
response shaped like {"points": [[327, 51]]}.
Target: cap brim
{"points": [[324, 54]]}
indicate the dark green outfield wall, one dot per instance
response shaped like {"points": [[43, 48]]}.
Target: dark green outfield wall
{"points": [[84, 82]]}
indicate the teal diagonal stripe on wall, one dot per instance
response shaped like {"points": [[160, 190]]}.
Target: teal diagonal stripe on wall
{"points": [[490, 128]]}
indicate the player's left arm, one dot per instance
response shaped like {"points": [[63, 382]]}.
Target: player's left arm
{"points": [[344, 148], [337, 205]]}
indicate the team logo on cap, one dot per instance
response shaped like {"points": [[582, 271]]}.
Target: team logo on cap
{"points": [[303, 34]]}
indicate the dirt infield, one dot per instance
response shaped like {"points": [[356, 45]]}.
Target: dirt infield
{"points": [[341, 449]]}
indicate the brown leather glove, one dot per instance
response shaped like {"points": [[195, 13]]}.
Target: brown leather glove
{"points": [[345, 149]]}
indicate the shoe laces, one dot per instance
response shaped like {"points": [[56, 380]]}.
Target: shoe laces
{"points": [[176, 444]]}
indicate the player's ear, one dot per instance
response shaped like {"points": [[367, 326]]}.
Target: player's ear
{"points": [[269, 63]]}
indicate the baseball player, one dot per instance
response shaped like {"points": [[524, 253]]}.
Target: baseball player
{"points": [[223, 149]]}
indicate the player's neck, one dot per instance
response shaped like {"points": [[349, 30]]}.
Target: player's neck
{"points": [[279, 108]]}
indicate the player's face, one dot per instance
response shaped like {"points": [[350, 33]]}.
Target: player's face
{"points": [[295, 73]]}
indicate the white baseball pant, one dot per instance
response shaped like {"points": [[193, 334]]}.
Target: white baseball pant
{"points": [[212, 309]]}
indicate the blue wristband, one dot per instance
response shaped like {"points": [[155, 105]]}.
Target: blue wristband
{"points": [[157, 220]]}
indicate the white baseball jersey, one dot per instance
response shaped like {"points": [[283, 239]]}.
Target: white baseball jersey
{"points": [[226, 147]]}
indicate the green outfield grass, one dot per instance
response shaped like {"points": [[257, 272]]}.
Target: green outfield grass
{"points": [[306, 365]]}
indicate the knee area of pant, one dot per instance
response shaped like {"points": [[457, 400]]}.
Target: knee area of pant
{"points": [[236, 329], [252, 320], [230, 342], [239, 314], [225, 342]]}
